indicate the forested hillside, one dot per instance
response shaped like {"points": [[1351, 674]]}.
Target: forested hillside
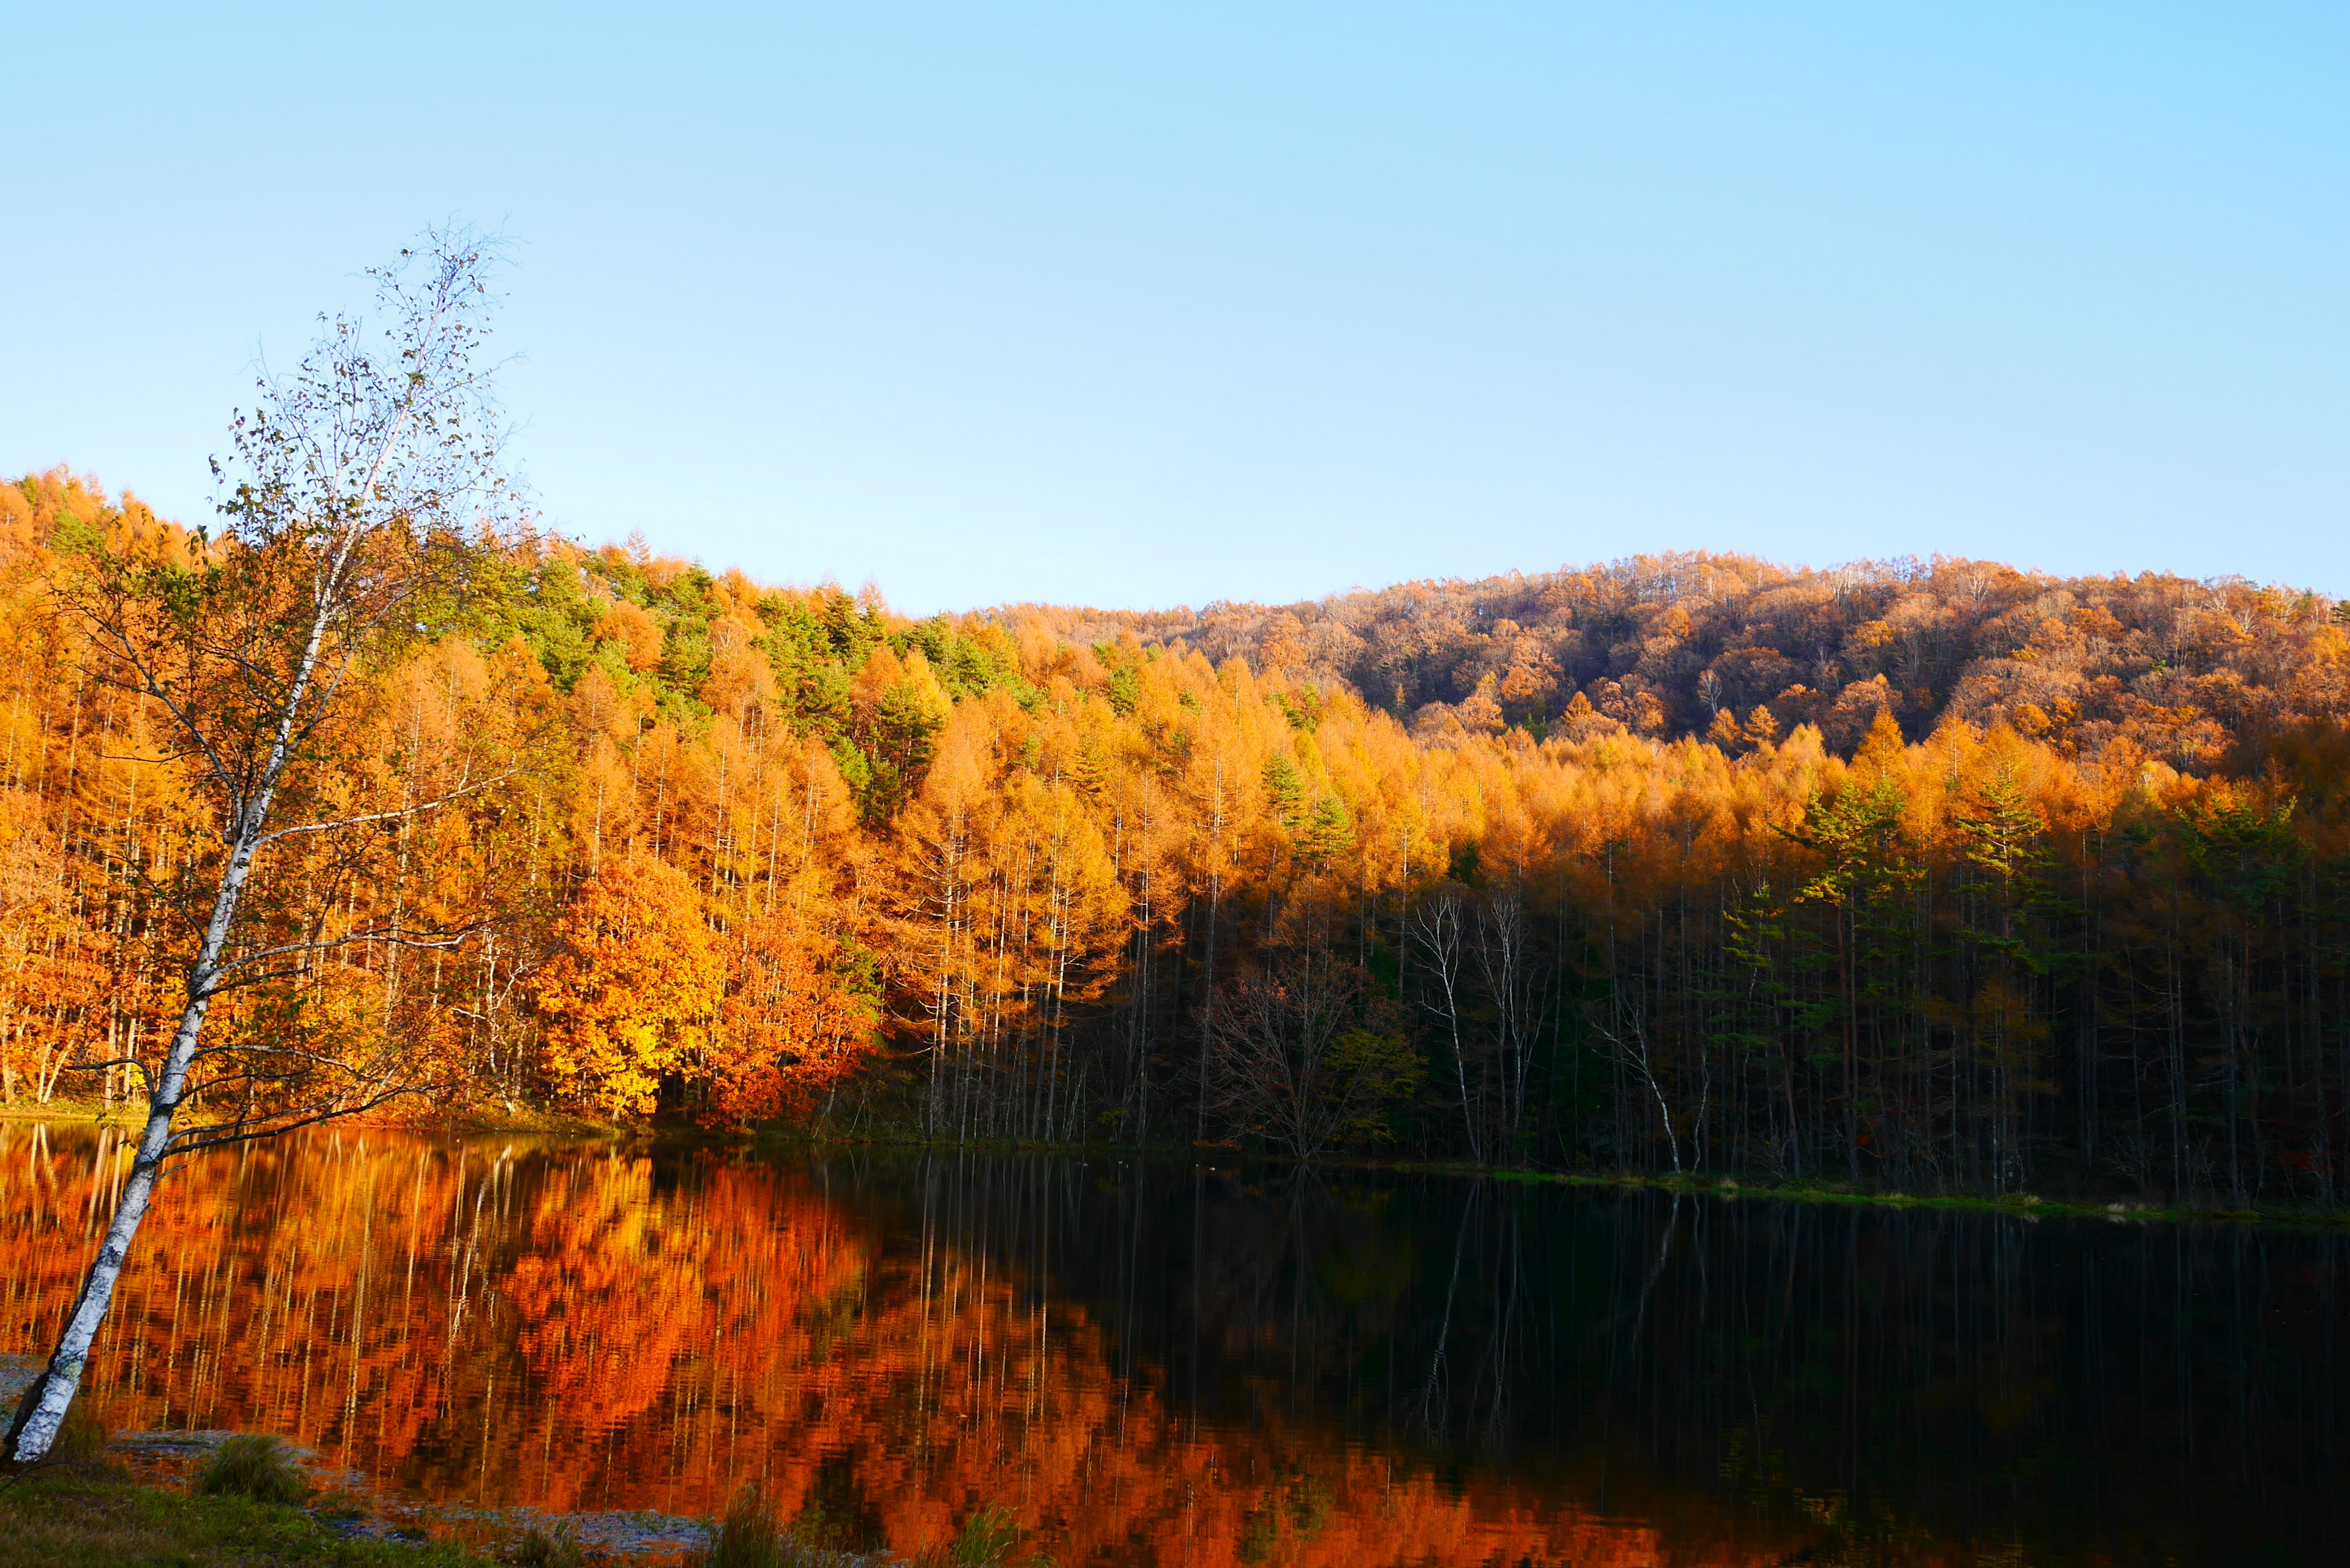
{"points": [[1947, 877], [1665, 645]]}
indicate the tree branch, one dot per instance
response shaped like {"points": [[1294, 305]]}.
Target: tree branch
{"points": [[457, 793]]}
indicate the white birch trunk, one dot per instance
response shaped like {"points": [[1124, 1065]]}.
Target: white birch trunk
{"points": [[332, 460], [43, 1408]]}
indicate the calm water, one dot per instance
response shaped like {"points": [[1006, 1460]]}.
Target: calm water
{"points": [[1165, 1364]]}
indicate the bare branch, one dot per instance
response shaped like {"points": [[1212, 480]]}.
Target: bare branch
{"points": [[408, 811], [391, 936], [246, 1130]]}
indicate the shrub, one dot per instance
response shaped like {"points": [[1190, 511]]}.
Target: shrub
{"points": [[81, 1440], [747, 1537], [556, 1548], [254, 1465], [985, 1539]]}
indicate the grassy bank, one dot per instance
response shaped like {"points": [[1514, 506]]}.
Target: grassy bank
{"points": [[85, 1519], [252, 1504], [2024, 1205], [528, 1123]]}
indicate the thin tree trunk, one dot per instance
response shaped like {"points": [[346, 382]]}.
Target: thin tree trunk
{"points": [[43, 1408]]}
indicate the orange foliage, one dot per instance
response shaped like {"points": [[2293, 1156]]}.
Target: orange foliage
{"points": [[792, 1025], [566, 1329], [630, 994], [757, 853]]}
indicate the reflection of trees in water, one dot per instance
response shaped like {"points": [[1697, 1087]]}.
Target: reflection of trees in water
{"points": [[1883, 1376], [1174, 1364], [595, 1328]]}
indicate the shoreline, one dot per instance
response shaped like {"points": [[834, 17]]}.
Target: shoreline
{"points": [[2017, 1205]]}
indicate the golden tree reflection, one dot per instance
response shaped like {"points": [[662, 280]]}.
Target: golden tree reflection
{"points": [[509, 1324]]}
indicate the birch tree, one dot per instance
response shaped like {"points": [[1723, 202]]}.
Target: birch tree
{"points": [[359, 493], [1436, 927]]}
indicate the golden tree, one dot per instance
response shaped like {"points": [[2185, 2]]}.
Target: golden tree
{"points": [[633, 987]]}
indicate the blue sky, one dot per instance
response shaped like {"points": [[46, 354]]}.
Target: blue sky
{"points": [[1135, 306]]}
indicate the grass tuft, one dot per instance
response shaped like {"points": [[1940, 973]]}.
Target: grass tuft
{"points": [[71, 1519], [81, 1440], [985, 1540], [78, 1444], [749, 1537], [556, 1548], [254, 1465]]}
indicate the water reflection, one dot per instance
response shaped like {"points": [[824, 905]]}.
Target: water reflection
{"points": [[1170, 1366]]}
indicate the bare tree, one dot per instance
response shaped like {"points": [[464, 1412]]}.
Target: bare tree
{"points": [[359, 491], [1293, 1059], [1436, 927], [1630, 1043], [1516, 980]]}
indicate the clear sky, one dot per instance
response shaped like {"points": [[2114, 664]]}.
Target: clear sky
{"points": [[1137, 306]]}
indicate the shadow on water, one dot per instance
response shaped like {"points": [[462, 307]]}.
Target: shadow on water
{"points": [[1164, 1363]]}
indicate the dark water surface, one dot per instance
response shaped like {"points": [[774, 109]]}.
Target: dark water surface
{"points": [[1160, 1364]]}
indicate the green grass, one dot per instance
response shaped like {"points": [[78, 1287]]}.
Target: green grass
{"points": [[2024, 1204], [1807, 1190], [80, 1439], [83, 1514], [750, 1537], [555, 1548], [985, 1540], [254, 1465], [81, 1520]]}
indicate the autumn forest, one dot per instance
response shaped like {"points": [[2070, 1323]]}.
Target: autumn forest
{"points": [[1940, 875]]}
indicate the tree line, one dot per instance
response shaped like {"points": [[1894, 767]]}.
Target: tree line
{"points": [[2072, 915]]}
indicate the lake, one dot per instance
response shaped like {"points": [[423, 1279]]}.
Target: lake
{"points": [[1163, 1362]]}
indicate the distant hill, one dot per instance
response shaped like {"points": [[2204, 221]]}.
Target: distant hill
{"points": [[1666, 645]]}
